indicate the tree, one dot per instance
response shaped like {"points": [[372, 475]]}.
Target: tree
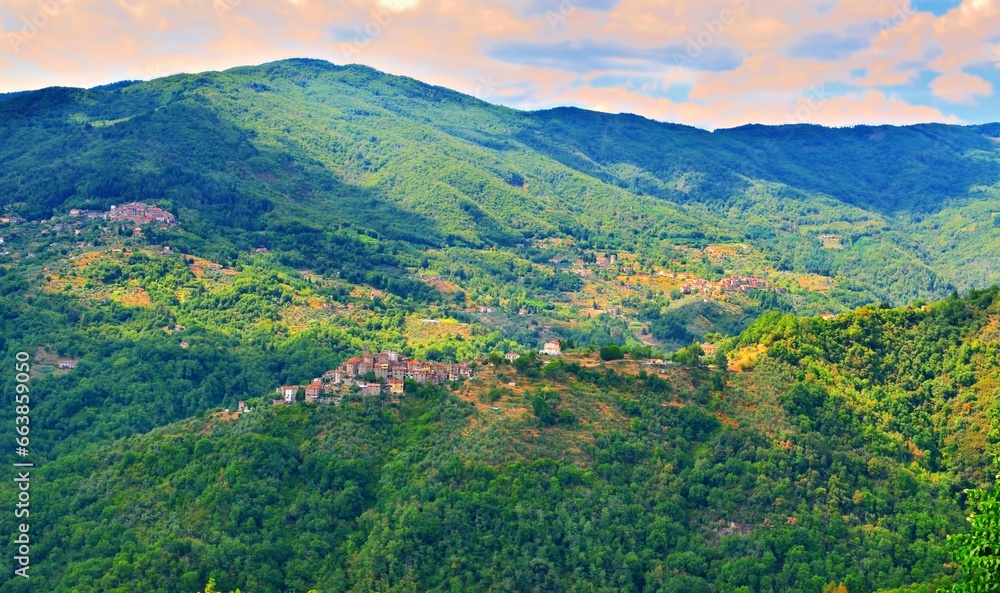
{"points": [[611, 352], [978, 552], [690, 356], [543, 409], [210, 587]]}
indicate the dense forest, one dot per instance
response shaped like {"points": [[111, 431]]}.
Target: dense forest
{"points": [[837, 453], [779, 365]]}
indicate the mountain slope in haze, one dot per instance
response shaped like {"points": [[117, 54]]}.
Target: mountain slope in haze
{"points": [[263, 149]]}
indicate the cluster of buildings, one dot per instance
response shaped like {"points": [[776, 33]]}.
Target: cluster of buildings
{"points": [[382, 374], [731, 284], [744, 284], [138, 213], [601, 260], [604, 261], [141, 213], [30, 230], [88, 214], [373, 375]]}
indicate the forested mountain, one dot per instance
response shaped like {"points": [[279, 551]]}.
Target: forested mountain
{"points": [[258, 152], [779, 367]]}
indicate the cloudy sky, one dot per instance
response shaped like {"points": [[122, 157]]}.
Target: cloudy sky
{"points": [[710, 63]]}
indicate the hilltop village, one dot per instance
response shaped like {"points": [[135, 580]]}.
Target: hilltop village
{"points": [[137, 213], [385, 373], [732, 284], [372, 375]]}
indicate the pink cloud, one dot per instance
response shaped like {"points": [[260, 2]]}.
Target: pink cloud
{"points": [[869, 107], [961, 88], [447, 42]]}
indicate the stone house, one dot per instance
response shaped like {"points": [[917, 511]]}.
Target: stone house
{"points": [[552, 348], [313, 391], [371, 389]]}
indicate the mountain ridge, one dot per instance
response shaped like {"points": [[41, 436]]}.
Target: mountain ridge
{"points": [[248, 147], [986, 128]]}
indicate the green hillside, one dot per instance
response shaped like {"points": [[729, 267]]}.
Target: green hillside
{"points": [[254, 153]]}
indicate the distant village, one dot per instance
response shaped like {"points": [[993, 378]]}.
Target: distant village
{"points": [[579, 265], [691, 283], [385, 373], [731, 284], [372, 375], [138, 213], [135, 214]]}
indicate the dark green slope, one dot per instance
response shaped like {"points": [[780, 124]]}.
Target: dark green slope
{"points": [[885, 168], [356, 146], [913, 169]]}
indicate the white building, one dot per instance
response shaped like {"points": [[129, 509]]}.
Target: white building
{"points": [[288, 393], [552, 348]]}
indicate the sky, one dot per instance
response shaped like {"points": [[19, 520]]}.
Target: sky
{"points": [[708, 63]]}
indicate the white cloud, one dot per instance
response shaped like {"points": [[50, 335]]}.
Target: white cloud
{"points": [[399, 5]]}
